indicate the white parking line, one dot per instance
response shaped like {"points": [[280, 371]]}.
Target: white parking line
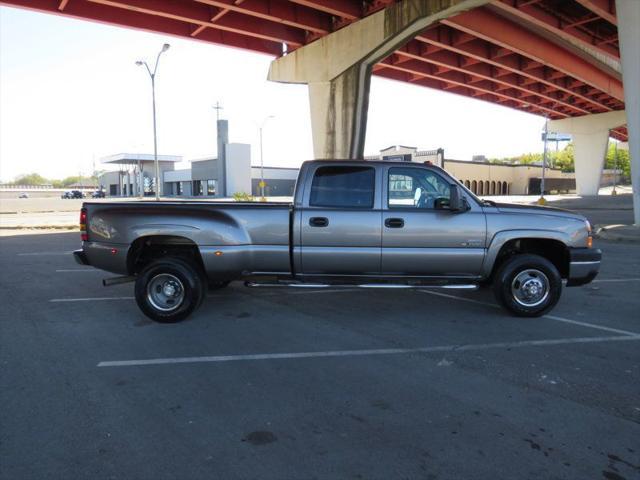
{"points": [[88, 269], [42, 253], [550, 317], [355, 353], [603, 280], [94, 299], [211, 295]]}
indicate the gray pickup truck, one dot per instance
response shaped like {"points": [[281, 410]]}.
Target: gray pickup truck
{"points": [[370, 224]]}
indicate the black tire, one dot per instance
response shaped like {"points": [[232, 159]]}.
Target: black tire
{"points": [[533, 271], [182, 277]]}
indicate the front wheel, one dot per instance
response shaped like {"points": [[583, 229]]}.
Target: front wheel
{"points": [[169, 290], [527, 285]]}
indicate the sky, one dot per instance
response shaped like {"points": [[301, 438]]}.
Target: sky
{"points": [[70, 94]]}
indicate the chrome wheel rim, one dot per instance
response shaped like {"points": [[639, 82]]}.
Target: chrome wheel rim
{"points": [[165, 292], [530, 288]]}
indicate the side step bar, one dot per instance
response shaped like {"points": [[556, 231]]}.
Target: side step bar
{"points": [[453, 286], [107, 282]]}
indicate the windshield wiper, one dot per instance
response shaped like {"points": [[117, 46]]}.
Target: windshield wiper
{"points": [[489, 202]]}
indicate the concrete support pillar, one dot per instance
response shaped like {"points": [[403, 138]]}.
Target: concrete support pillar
{"points": [[590, 150], [337, 69], [339, 114], [129, 192], [628, 14], [590, 135]]}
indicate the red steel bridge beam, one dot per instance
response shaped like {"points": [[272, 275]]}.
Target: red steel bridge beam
{"points": [[540, 18], [348, 9], [458, 90], [603, 8], [200, 15], [505, 60], [452, 61], [481, 23], [505, 85], [152, 23], [459, 79], [280, 11]]}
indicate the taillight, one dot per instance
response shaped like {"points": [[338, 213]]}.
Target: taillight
{"points": [[83, 225]]}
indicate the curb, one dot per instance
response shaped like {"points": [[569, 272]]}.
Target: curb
{"points": [[39, 227], [619, 233]]}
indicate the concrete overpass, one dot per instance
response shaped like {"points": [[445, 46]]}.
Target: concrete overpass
{"points": [[573, 61]]}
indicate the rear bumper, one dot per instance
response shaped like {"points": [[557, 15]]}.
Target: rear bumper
{"points": [[80, 257], [584, 265]]}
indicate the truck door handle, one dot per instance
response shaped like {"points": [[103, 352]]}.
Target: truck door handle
{"points": [[394, 222], [319, 221]]}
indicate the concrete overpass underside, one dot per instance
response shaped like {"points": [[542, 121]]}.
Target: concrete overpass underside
{"points": [[572, 61]]}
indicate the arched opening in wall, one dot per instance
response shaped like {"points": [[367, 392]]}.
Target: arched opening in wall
{"points": [[499, 192], [493, 187], [486, 187], [480, 187], [507, 188], [474, 187], [467, 184]]}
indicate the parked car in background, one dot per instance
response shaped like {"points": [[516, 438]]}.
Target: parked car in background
{"points": [[23, 195], [98, 194], [72, 194], [365, 224]]}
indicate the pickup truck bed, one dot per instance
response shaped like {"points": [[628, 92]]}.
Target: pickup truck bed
{"points": [[247, 234]]}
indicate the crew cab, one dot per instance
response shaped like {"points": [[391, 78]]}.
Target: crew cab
{"points": [[364, 223]]}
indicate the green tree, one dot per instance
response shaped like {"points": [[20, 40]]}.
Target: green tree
{"points": [[623, 163], [563, 159], [31, 179], [79, 179]]}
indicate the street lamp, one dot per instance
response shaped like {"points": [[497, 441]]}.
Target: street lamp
{"points": [[152, 75], [262, 184]]}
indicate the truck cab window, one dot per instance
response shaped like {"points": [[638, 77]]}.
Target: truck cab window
{"points": [[417, 188], [344, 186]]}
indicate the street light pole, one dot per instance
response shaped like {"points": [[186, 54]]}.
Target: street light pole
{"points": [[541, 200], [615, 168], [262, 184], [152, 75]]}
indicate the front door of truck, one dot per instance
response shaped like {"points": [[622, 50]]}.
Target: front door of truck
{"points": [[420, 235], [340, 222]]}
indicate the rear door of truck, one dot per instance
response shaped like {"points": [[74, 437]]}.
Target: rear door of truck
{"points": [[340, 220]]}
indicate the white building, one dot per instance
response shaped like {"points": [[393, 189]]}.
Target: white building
{"points": [[135, 173], [212, 176]]}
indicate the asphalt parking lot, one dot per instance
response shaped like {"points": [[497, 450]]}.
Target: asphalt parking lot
{"points": [[289, 384]]}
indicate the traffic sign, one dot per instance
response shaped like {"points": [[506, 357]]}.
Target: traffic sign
{"points": [[557, 137]]}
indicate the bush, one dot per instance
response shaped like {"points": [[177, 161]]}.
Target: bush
{"points": [[243, 197]]}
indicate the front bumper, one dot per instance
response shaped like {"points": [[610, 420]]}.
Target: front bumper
{"points": [[80, 257], [584, 265]]}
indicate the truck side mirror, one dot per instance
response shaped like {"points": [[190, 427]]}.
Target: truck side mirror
{"points": [[456, 201]]}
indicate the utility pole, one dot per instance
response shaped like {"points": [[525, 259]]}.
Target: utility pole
{"points": [[262, 182], [541, 200], [217, 108]]}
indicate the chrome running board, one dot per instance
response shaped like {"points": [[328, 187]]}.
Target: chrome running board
{"points": [[453, 286]]}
